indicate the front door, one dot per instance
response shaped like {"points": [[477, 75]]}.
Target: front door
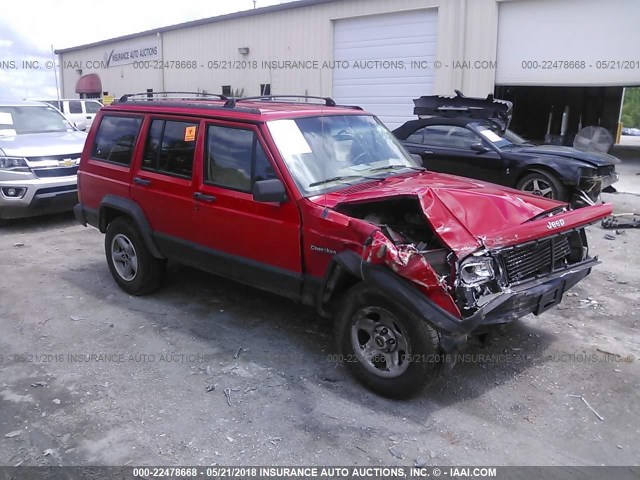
{"points": [[253, 242]]}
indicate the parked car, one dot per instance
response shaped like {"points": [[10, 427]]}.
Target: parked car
{"points": [[634, 132], [39, 157], [80, 111], [469, 137], [322, 204]]}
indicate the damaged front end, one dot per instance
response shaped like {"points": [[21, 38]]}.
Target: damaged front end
{"points": [[460, 293]]}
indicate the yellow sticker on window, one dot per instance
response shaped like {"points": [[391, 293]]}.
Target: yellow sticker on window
{"points": [[189, 134]]}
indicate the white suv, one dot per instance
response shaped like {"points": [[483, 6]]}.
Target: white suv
{"points": [[77, 110], [39, 155]]}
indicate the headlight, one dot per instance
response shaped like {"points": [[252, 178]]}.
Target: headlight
{"points": [[476, 270], [15, 164], [588, 172]]}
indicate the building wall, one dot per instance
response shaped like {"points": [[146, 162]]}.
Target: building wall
{"points": [[467, 30]]}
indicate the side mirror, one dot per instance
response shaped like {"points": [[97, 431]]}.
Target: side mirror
{"points": [[418, 159], [479, 148], [269, 191], [82, 126]]}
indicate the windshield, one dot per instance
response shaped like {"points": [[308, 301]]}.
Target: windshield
{"points": [[19, 120], [494, 134], [323, 153]]}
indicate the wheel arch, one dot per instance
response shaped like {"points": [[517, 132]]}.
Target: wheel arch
{"points": [[348, 267], [113, 206]]}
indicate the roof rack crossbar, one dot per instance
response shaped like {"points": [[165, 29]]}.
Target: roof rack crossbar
{"points": [[231, 102], [149, 96]]}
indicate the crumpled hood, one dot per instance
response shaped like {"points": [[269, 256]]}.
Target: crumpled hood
{"points": [[592, 158], [42, 144], [466, 214]]}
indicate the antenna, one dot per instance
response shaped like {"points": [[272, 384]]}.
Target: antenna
{"points": [[254, 4], [324, 164]]}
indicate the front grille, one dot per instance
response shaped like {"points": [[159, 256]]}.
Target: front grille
{"points": [[48, 172], [543, 257], [55, 171]]}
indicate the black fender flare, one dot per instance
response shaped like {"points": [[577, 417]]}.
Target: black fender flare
{"points": [[393, 285], [133, 211]]}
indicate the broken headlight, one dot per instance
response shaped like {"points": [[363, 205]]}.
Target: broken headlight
{"points": [[476, 270]]}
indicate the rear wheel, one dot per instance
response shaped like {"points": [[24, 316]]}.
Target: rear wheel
{"points": [[543, 185], [385, 346], [133, 267]]}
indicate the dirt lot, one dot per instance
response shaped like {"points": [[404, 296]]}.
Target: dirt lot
{"points": [[145, 400]]}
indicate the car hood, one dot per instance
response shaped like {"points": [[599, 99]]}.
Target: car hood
{"points": [[467, 214], [594, 159], [43, 144]]}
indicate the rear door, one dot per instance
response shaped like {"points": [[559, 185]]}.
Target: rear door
{"points": [[253, 242], [91, 108], [162, 181]]}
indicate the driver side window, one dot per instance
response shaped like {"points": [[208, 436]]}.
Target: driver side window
{"points": [[450, 136]]}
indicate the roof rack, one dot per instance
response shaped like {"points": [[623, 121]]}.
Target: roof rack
{"points": [[493, 109], [231, 102], [150, 96]]}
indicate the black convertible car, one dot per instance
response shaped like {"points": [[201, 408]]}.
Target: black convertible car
{"points": [[470, 137]]}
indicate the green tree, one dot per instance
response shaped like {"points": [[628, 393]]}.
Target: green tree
{"points": [[631, 107]]}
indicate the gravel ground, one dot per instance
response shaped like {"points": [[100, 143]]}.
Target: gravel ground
{"points": [[154, 392]]}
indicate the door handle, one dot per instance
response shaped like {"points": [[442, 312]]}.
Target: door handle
{"points": [[428, 152], [89, 118], [141, 181], [204, 198]]}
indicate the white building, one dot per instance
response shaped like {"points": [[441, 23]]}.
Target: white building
{"points": [[380, 54]]}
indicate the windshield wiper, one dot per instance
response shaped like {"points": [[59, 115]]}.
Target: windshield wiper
{"points": [[391, 167], [340, 178]]}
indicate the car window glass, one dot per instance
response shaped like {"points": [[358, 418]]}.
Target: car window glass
{"points": [[170, 148], [92, 107], [263, 169], [75, 107], [229, 154], [417, 136], [450, 136], [115, 139]]}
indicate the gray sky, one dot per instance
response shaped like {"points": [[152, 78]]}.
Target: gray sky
{"points": [[29, 27]]}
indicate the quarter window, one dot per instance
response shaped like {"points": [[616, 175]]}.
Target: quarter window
{"points": [[170, 148], [115, 139], [235, 159]]}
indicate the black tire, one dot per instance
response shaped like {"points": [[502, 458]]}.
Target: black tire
{"points": [[543, 184], [148, 273], [420, 367]]}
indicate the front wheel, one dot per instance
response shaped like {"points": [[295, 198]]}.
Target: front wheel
{"points": [[543, 185], [386, 347]]}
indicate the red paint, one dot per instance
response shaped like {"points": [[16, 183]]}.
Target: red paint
{"points": [[303, 234]]}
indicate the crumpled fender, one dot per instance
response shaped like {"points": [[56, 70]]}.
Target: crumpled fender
{"points": [[404, 275]]}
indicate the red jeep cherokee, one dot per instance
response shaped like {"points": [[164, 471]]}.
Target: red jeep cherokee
{"points": [[320, 203]]}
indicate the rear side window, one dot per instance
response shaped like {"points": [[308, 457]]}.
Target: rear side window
{"points": [[115, 139], [235, 159], [170, 148], [92, 107], [75, 107]]}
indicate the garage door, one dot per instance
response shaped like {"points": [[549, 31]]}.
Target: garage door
{"points": [[569, 43], [380, 50]]}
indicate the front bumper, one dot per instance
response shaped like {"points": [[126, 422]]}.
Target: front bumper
{"points": [[42, 196], [592, 187]]}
